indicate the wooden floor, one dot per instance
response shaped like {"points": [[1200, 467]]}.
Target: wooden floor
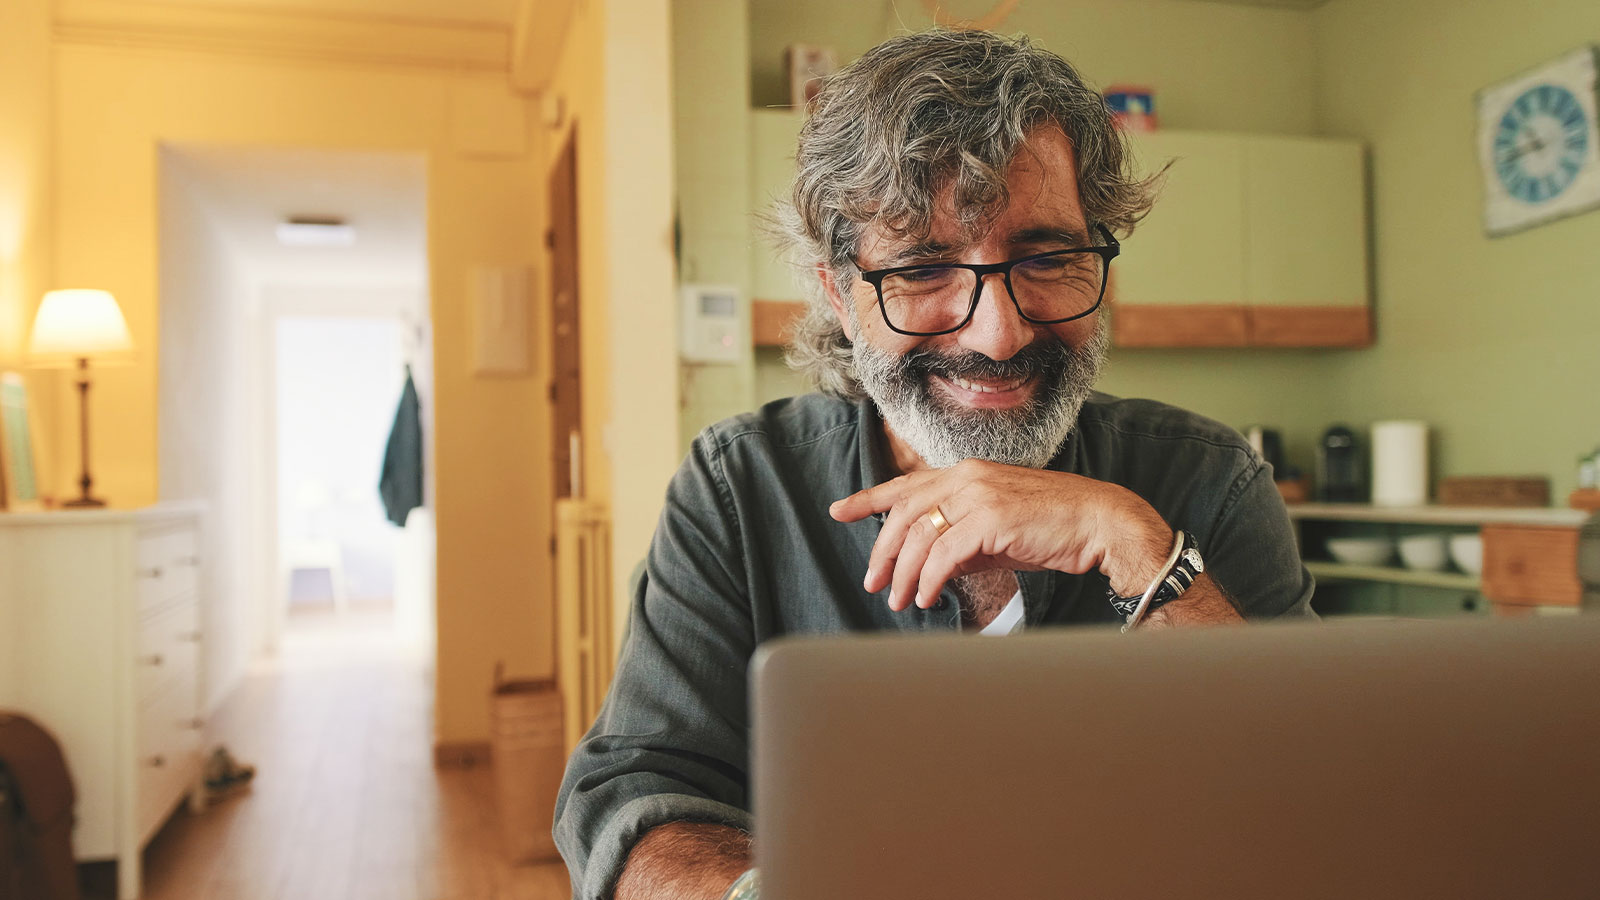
{"points": [[346, 802]]}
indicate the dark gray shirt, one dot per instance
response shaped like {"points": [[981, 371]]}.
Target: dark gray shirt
{"points": [[746, 551]]}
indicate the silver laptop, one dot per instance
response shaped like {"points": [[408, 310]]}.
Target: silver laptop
{"points": [[1386, 760]]}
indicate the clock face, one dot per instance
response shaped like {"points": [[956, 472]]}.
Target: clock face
{"points": [[1541, 143]]}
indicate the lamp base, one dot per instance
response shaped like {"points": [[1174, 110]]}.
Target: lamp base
{"points": [[83, 503]]}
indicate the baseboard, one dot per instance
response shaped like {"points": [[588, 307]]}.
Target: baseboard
{"points": [[460, 754]]}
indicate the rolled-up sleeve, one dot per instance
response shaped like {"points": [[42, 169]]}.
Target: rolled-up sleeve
{"points": [[1251, 552], [671, 741]]}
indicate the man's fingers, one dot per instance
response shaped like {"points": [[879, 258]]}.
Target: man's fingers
{"points": [[949, 556], [913, 505], [878, 498], [908, 565]]}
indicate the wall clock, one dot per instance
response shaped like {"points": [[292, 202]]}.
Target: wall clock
{"points": [[1539, 145]]}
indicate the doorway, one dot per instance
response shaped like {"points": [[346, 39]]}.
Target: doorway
{"points": [[332, 246], [340, 385]]}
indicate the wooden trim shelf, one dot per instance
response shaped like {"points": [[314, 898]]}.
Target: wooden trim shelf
{"points": [[1159, 325], [1310, 326], [771, 321], [1156, 325], [1332, 571]]}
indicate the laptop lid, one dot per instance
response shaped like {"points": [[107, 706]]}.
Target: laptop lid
{"points": [[1369, 760]]}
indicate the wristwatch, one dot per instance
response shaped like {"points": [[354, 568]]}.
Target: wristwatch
{"points": [[1177, 580]]}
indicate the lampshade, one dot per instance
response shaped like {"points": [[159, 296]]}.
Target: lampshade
{"points": [[75, 324]]}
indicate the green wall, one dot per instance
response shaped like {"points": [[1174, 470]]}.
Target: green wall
{"points": [[1494, 341]]}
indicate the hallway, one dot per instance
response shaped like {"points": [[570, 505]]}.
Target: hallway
{"points": [[346, 803]]}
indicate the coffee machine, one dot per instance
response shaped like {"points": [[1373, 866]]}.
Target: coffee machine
{"points": [[1341, 467]]}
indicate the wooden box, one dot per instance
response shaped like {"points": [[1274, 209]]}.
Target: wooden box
{"points": [[1531, 566], [1494, 490]]}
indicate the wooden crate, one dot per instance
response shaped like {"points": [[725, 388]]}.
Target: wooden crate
{"points": [[1531, 565], [1494, 490]]}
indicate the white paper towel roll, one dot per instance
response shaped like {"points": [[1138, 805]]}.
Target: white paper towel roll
{"points": [[1399, 463]]}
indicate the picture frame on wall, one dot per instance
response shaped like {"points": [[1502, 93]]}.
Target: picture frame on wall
{"points": [[20, 484]]}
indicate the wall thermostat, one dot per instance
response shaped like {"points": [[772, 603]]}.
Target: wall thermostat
{"points": [[713, 330]]}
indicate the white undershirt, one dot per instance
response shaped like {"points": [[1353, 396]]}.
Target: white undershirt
{"points": [[1009, 619]]}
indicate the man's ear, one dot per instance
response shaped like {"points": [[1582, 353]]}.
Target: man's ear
{"points": [[831, 290]]}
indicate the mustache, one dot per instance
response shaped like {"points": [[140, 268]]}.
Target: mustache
{"points": [[1040, 358]]}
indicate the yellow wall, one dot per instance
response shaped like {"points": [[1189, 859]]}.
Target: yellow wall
{"points": [[117, 105], [642, 430], [1494, 341], [26, 167], [614, 83], [25, 94]]}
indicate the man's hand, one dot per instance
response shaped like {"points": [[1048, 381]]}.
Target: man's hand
{"points": [[1005, 517], [684, 861]]}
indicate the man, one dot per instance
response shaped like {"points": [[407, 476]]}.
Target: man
{"points": [[956, 197]]}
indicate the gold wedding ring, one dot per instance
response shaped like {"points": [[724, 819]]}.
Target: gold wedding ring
{"points": [[936, 516]]}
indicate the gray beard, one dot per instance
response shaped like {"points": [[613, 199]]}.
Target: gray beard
{"points": [[944, 433]]}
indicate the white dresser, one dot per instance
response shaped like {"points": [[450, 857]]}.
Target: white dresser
{"points": [[100, 639]]}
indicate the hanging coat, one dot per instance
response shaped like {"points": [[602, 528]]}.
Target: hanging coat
{"points": [[401, 483]]}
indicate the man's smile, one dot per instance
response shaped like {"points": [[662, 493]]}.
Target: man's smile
{"points": [[988, 393]]}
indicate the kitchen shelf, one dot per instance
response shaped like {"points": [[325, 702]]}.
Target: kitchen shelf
{"points": [[1437, 515], [1333, 571]]}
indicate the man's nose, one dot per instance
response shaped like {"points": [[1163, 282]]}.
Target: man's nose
{"points": [[996, 329]]}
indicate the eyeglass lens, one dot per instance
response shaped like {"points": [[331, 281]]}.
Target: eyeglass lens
{"points": [[938, 298]]}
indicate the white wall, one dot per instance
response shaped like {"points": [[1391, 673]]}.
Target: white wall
{"points": [[204, 450], [278, 302], [338, 382]]}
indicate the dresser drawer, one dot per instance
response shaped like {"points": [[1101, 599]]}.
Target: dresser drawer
{"points": [[169, 724], [167, 563], [169, 753], [167, 649]]}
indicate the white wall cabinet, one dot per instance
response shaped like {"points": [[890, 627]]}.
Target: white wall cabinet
{"points": [[1256, 240], [100, 641]]}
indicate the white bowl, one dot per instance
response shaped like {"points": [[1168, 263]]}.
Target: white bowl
{"points": [[1424, 552], [1365, 551], [1466, 551]]}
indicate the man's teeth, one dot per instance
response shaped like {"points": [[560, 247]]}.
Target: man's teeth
{"points": [[981, 388]]}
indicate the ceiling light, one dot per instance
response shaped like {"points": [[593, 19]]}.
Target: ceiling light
{"points": [[315, 231]]}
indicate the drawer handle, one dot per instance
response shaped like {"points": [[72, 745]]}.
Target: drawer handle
{"points": [[192, 637], [158, 762], [197, 723], [154, 659], [152, 572], [187, 561]]}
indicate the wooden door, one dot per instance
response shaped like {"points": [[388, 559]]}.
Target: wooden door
{"points": [[566, 393]]}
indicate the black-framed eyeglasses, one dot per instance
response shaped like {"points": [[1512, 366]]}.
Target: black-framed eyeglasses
{"points": [[1046, 288]]}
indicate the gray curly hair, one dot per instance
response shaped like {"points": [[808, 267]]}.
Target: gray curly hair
{"points": [[916, 113]]}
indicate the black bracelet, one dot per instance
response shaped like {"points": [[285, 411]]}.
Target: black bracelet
{"points": [[1175, 582]]}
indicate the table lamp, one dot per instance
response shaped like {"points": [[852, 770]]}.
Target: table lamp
{"points": [[71, 328]]}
